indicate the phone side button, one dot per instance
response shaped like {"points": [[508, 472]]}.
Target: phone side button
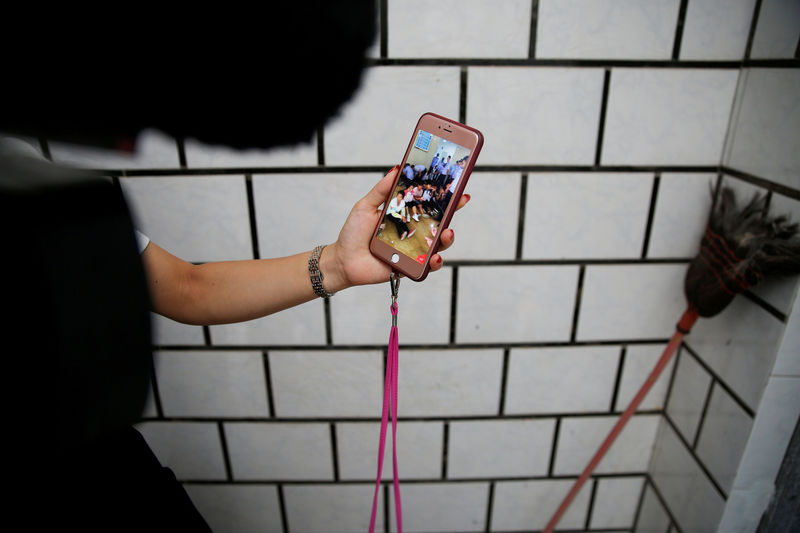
{"points": [[395, 258]]}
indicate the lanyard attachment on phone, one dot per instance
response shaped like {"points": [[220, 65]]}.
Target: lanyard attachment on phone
{"points": [[394, 282]]}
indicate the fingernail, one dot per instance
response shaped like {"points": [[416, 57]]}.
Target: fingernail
{"points": [[468, 197], [438, 260]]}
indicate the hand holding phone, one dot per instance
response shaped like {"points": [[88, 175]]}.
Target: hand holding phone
{"points": [[425, 194]]}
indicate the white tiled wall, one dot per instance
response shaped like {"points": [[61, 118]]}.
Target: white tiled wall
{"points": [[566, 277]]}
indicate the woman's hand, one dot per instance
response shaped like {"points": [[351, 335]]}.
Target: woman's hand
{"points": [[348, 261]]}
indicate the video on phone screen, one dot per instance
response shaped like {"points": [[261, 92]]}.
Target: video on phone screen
{"points": [[428, 180]]}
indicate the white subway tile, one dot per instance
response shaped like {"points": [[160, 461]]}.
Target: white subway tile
{"points": [[740, 346], [361, 315], [687, 491], [459, 28], [777, 30], [419, 450], [266, 451], [364, 133], [723, 437], [586, 215], [166, 331], [326, 383], [211, 384], [191, 449], [326, 508], [201, 155], [529, 505], [682, 208], [295, 212], [499, 448], [153, 149], [303, 324], [716, 29], [640, 360], [535, 115], [688, 397], [667, 116], [486, 228], [653, 518], [441, 507], [238, 508], [592, 29], [21, 145], [615, 502], [515, 304], [554, 380], [198, 218], [449, 382], [631, 301], [764, 141], [580, 437]]}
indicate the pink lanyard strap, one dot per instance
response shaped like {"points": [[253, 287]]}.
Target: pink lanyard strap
{"points": [[389, 406]]}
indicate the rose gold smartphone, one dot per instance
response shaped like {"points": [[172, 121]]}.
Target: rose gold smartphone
{"points": [[425, 193]]}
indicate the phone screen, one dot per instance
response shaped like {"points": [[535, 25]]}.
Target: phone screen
{"points": [[428, 181]]}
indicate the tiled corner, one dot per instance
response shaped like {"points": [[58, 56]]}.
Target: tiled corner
{"points": [[295, 212], [166, 332], [535, 115], [201, 155], [229, 508], [326, 383], [303, 324], [361, 315], [688, 397], [280, 451], [615, 502], [153, 150], [191, 449], [450, 28], [419, 450], [787, 362], [744, 509], [716, 30], [640, 360], [777, 30], [486, 229], [553, 380], [211, 384], [605, 29], [691, 497], [449, 382], [440, 507], [667, 116], [764, 141], [653, 518], [529, 505], [326, 508], [499, 448], [503, 304], [682, 208], [586, 215], [580, 437], [642, 301], [725, 422], [368, 132], [197, 218]]}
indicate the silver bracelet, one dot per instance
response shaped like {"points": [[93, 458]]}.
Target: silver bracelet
{"points": [[315, 273]]}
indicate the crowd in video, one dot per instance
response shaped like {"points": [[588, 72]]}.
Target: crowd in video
{"points": [[426, 185]]}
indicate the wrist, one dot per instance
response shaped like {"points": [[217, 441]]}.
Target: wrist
{"points": [[330, 265]]}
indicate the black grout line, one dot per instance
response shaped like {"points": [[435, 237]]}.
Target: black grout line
{"points": [[462, 97], [45, 147], [767, 202], [154, 385], [334, 452], [503, 382], [715, 196], [602, 122], [489, 504], [523, 195], [765, 305], [207, 336], [670, 528], [752, 33], [703, 413], [453, 304], [552, 461], [321, 146], [268, 381], [326, 306], [697, 460], [589, 510], [639, 505], [251, 211], [719, 381], [661, 500], [282, 506], [618, 379], [225, 454], [384, 32], [181, 147], [534, 29], [761, 182], [676, 45], [576, 311], [671, 383], [651, 214], [445, 445]]}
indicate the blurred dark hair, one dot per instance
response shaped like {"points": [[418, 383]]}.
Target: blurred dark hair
{"points": [[244, 78]]}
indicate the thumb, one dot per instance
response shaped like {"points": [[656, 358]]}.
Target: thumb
{"points": [[378, 193]]}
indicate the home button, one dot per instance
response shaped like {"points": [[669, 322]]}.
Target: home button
{"points": [[395, 258]]}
